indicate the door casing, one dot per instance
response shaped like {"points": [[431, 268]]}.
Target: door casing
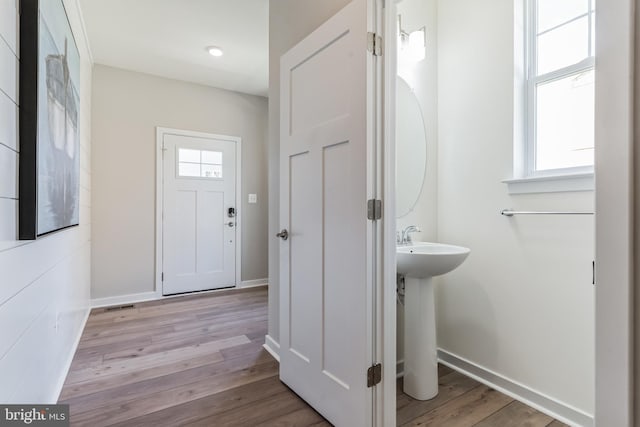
{"points": [[614, 200], [614, 203], [160, 133]]}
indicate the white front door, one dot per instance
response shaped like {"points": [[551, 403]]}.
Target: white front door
{"points": [[328, 260], [199, 213]]}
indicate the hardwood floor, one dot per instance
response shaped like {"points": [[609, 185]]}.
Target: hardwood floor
{"points": [[198, 360]]}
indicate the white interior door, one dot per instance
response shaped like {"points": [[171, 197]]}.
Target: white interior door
{"points": [[327, 262], [199, 214]]}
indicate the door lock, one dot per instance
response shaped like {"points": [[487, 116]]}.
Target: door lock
{"points": [[284, 234], [231, 224]]}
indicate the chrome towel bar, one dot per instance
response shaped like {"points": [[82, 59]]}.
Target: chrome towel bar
{"points": [[510, 212]]}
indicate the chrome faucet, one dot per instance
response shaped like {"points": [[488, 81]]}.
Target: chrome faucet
{"points": [[406, 234]]}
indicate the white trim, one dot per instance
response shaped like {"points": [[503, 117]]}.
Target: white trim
{"points": [[153, 296], [239, 210], [272, 347], [551, 184], [160, 132], [543, 403], [614, 311], [85, 34], [400, 368], [125, 299], [388, 174], [72, 353], [253, 283], [159, 205]]}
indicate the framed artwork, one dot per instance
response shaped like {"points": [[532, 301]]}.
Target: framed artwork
{"points": [[49, 174]]}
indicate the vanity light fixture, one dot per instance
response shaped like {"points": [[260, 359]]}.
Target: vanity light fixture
{"points": [[215, 51], [412, 45]]}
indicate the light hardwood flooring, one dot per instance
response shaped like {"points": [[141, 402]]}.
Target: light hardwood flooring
{"points": [[198, 360]]}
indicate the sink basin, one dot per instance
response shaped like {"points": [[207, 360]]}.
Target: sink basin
{"points": [[422, 259], [419, 262]]}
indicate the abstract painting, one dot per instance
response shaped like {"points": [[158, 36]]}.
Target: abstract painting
{"points": [[49, 120]]}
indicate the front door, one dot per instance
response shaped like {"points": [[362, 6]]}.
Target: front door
{"points": [[199, 213], [327, 253]]}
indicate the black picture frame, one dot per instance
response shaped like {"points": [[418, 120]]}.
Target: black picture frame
{"points": [[49, 121]]}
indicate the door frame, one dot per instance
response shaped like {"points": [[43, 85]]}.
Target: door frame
{"points": [[615, 306], [614, 205], [160, 133], [387, 399]]}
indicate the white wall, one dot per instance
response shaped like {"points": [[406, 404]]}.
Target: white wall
{"points": [[522, 305], [127, 108], [289, 22], [423, 79], [44, 285]]}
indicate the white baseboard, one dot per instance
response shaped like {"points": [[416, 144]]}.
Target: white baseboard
{"points": [[254, 283], [124, 299], [152, 296], [543, 403], [272, 347], [72, 353], [400, 368]]}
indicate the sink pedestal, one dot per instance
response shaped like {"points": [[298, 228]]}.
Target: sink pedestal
{"points": [[420, 353], [418, 263]]}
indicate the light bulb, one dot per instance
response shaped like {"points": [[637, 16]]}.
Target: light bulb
{"points": [[215, 51]]}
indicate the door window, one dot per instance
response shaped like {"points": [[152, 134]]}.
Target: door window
{"points": [[199, 163]]}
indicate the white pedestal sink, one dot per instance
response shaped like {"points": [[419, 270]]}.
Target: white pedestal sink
{"points": [[419, 262]]}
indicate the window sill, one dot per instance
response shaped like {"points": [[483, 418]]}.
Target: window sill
{"points": [[551, 184]]}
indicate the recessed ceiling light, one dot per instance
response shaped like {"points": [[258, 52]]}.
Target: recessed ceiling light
{"points": [[215, 51]]}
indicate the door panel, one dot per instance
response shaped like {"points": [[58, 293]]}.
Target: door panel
{"points": [[329, 92], [342, 242], [199, 239], [210, 242], [183, 233], [326, 178], [305, 273]]}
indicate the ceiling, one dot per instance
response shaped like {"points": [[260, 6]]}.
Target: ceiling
{"points": [[169, 38]]}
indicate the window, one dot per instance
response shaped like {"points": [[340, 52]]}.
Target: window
{"points": [[559, 87], [199, 163]]}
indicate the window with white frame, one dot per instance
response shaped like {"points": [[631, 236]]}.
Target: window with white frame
{"points": [[560, 87]]}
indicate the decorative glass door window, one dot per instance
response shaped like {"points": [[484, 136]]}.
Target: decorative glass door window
{"points": [[199, 163]]}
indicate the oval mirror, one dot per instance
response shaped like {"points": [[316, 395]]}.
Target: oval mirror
{"points": [[411, 149]]}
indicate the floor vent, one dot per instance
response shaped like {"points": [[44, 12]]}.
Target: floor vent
{"points": [[120, 307]]}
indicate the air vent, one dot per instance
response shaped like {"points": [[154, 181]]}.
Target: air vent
{"points": [[120, 307]]}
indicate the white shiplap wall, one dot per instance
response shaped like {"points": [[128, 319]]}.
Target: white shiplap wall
{"points": [[44, 285]]}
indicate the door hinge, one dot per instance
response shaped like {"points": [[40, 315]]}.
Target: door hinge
{"points": [[162, 277], [374, 209], [593, 272], [374, 375], [374, 44]]}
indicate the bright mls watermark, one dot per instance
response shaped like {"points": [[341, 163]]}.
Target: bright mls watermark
{"points": [[34, 415]]}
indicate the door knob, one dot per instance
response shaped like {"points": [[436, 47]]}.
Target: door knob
{"points": [[231, 223], [284, 234]]}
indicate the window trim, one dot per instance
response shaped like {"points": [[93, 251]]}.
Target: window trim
{"points": [[531, 80]]}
